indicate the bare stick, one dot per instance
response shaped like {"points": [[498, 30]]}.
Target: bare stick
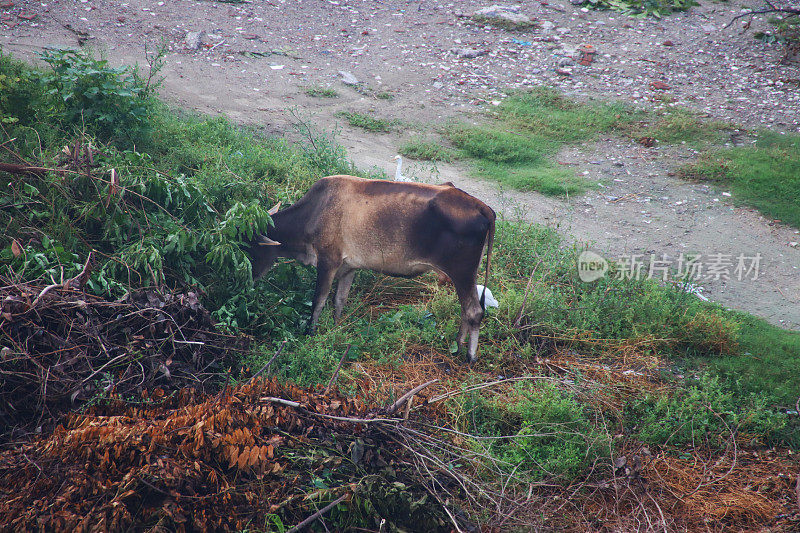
{"points": [[525, 298], [265, 367], [12, 168], [352, 420], [771, 9], [404, 398], [80, 279], [310, 520], [336, 372]]}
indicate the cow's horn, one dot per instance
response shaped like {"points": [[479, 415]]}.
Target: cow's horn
{"points": [[266, 241], [274, 209]]}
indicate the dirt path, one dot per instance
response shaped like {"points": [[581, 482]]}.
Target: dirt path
{"points": [[257, 57]]}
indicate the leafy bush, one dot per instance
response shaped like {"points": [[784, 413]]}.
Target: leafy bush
{"points": [[87, 92], [542, 431], [703, 412]]}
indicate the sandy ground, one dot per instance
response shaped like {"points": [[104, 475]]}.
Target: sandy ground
{"points": [[405, 48]]}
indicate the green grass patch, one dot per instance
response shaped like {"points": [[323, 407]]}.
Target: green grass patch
{"points": [[765, 175], [425, 149], [681, 126], [318, 91], [517, 148], [384, 95], [368, 122]]}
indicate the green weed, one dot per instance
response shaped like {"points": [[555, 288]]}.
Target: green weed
{"points": [[318, 91], [704, 413], [368, 122], [765, 176], [543, 433], [426, 150]]}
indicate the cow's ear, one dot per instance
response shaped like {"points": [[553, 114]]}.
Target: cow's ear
{"points": [[449, 184], [274, 209], [266, 241]]}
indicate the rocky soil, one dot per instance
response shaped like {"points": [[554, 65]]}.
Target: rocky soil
{"points": [[251, 61]]}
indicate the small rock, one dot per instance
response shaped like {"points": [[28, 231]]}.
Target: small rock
{"points": [[659, 86], [564, 72], [547, 26], [348, 78], [507, 17], [193, 40], [708, 28], [668, 43], [794, 244], [468, 53], [566, 62]]}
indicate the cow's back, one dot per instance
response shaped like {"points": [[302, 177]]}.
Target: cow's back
{"points": [[398, 228]]}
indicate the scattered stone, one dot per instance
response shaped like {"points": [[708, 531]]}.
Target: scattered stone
{"points": [[193, 40], [6, 5], [659, 86], [566, 62], [27, 16], [668, 43], [564, 72], [708, 28], [348, 78], [507, 17], [468, 53]]}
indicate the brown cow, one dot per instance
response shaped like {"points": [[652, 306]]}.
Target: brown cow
{"points": [[344, 223]]}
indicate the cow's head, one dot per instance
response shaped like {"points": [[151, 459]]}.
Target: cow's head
{"points": [[264, 251]]}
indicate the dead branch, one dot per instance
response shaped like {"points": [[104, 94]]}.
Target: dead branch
{"points": [[266, 366], [308, 521], [771, 9], [13, 168], [525, 297], [77, 282], [410, 394], [336, 372]]}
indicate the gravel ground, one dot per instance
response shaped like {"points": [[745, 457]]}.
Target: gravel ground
{"points": [[255, 58]]}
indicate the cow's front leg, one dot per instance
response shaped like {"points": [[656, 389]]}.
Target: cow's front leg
{"points": [[342, 290], [325, 274]]}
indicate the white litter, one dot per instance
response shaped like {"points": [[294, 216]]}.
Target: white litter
{"points": [[490, 299]]}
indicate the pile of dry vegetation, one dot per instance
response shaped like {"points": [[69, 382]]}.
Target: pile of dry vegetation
{"points": [[62, 347]]}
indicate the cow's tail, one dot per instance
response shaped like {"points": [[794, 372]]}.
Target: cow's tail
{"points": [[489, 243]]}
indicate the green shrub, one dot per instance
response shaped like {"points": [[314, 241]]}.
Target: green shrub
{"points": [[87, 92], [368, 122], [703, 412], [542, 432], [426, 150]]}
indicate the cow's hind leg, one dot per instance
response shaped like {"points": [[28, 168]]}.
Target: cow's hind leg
{"points": [[471, 316], [342, 290], [325, 275]]}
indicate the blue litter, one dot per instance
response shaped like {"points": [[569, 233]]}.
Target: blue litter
{"points": [[522, 43]]}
